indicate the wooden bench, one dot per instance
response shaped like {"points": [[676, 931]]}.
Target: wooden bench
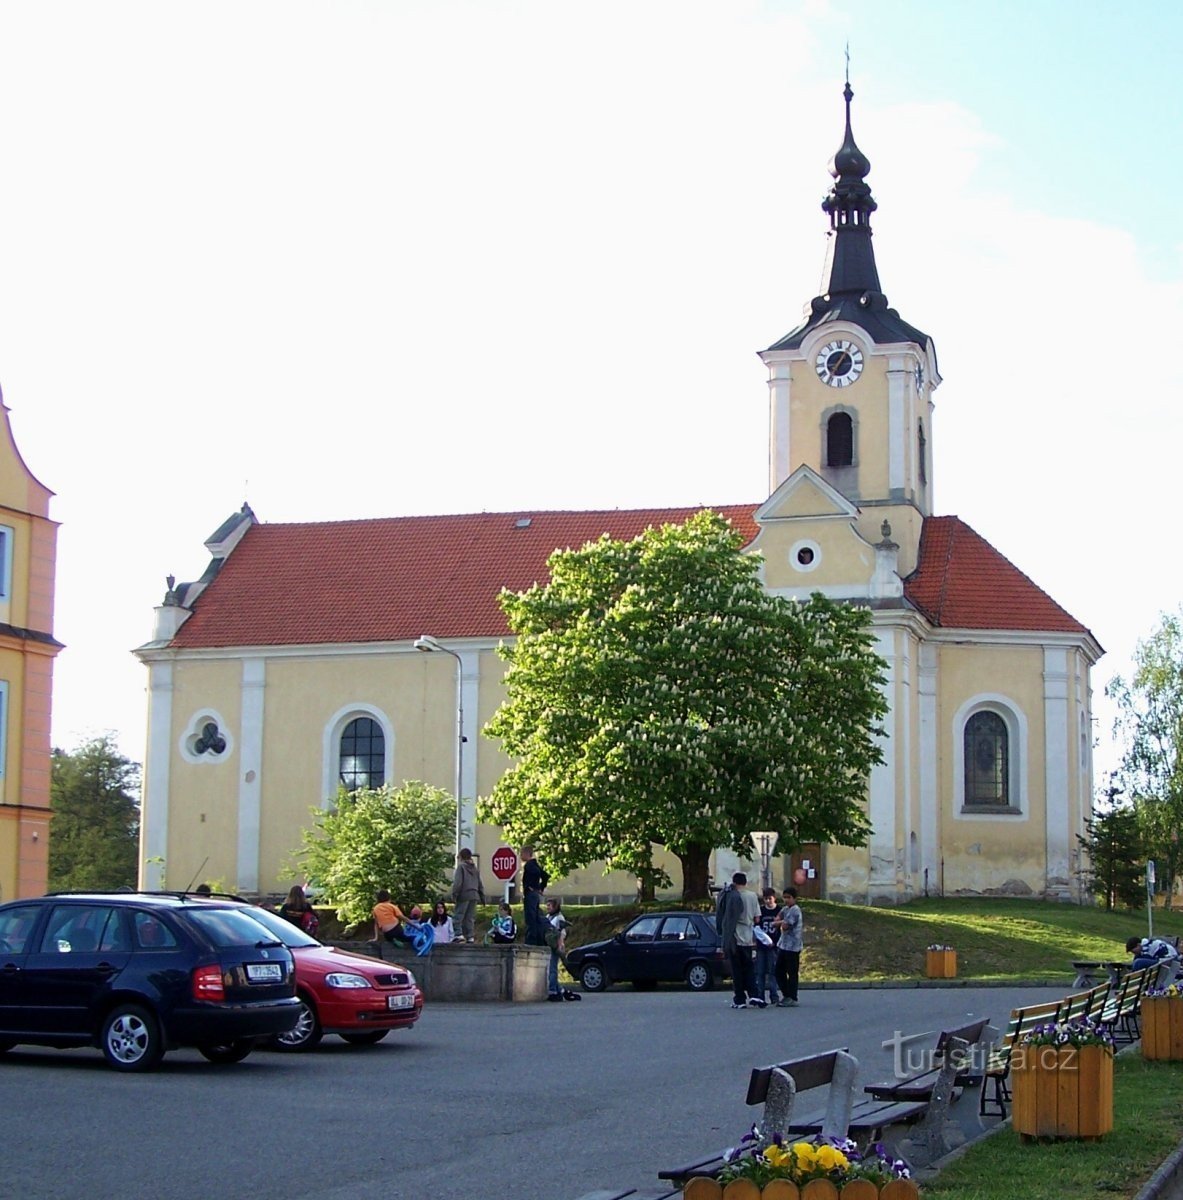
{"points": [[1120, 1012], [777, 1086], [1084, 1006], [918, 1085], [997, 1070]]}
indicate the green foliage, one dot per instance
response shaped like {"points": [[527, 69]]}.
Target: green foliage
{"points": [[1113, 844], [95, 834], [400, 839], [658, 694], [1150, 723]]}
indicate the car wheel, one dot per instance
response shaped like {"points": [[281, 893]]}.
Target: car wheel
{"points": [[370, 1038], [699, 977], [228, 1052], [131, 1039], [593, 978], [305, 1034]]}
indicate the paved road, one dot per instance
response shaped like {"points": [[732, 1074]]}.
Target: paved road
{"points": [[479, 1102]]}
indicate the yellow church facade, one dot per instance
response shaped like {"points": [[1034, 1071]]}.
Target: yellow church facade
{"points": [[291, 667], [28, 556]]}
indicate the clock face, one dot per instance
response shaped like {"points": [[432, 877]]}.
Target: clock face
{"points": [[839, 364]]}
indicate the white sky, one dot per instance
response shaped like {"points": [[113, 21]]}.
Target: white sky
{"points": [[370, 259]]}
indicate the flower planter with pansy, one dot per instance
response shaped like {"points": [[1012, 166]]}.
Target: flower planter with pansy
{"points": [[1062, 1082], [940, 962], [1162, 1023], [810, 1169]]}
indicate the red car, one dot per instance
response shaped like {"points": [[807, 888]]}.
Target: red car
{"points": [[358, 997]]}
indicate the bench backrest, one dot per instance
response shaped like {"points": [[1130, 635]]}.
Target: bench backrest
{"points": [[807, 1073], [971, 1034], [1022, 1021], [1129, 991], [1081, 1005]]}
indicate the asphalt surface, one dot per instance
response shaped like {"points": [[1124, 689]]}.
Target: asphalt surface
{"points": [[490, 1101]]}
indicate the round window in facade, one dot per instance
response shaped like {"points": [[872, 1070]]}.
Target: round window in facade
{"points": [[805, 555]]}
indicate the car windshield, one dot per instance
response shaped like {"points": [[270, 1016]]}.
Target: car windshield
{"points": [[230, 927], [280, 928]]}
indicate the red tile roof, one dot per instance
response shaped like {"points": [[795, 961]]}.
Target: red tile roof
{"points": [[396, 578], [393, 579], [962, 582]]}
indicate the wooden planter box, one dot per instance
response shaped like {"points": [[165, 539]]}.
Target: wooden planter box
{"points": [[785, 1189], [1162, 1027], [941, 964], [1062, 1092]]}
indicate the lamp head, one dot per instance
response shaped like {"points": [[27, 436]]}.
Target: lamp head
{"points": [[427, 644]]}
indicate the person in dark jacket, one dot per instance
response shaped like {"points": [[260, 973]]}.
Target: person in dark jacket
{"points": [[534, 881]]}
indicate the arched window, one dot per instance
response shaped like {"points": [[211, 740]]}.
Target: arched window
{"points": [[839, 440], [362, 755], [987, 759]]}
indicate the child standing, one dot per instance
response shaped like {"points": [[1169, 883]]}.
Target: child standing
{"points": [[789, 945], [556, 939], [766, 952]]}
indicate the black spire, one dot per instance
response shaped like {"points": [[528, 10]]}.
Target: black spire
{"points": [[850, 205], [852, 291]]}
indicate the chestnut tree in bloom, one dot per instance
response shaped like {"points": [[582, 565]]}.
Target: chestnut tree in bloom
{"points": [[656, 694]]}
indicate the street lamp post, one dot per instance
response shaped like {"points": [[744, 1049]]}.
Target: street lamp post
{"points": [[430, 645]]}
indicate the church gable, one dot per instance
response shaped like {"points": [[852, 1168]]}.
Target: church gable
{"points": [[808, 541]]}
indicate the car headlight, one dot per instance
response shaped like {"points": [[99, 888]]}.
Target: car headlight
{"points": [[339, 979]]}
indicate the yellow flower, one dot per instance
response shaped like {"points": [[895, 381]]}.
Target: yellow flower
{"points": [[829, 1157], [805, 1154], [776, 1156]]}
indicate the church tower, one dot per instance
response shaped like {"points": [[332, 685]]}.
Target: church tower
{"points": [[851, 386]]}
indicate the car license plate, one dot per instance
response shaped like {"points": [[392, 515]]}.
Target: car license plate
{"points": [[400, 1001], [264, 973]]}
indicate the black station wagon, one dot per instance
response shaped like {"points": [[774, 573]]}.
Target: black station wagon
{"points": [[672, 947], [139, 974]]}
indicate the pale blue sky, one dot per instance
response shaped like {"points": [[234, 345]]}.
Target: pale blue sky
{"points": [[367, 259]]}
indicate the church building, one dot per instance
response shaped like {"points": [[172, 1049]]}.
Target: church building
{"points": [[296, 664], [28, 558]]}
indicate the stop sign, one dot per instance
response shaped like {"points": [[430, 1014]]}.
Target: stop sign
{"points": [[505, 863]]}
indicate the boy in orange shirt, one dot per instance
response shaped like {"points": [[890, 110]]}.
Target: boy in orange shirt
{"points": [[389, 918]]}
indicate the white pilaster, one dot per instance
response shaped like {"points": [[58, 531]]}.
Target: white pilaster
{"points": [[1057, 749], [881, 808], [470, 682], [154, 809], [897, 432], [779, 383], [250, 782], [930, 809]]}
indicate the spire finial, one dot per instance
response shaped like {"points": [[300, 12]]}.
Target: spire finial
{"points": [[848, 64]]}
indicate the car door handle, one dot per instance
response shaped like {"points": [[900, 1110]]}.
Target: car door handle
{"points": [[106, 968], [11, 969]]}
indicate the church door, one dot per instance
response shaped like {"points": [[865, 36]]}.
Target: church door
{"points": [[805, 871]]}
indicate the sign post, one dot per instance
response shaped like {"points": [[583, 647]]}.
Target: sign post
{"points": [[1150, 898], [765, 843], [505, 865]]}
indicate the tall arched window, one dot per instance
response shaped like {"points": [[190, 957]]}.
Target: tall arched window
{"points": [[362, 755], [839, 440], [987, 759]]}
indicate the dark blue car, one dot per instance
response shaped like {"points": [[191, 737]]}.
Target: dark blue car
{"points": [[673, 947], [139, 974]]}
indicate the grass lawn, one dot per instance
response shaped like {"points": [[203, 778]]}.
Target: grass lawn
{"points": [[1147, 1126], [995, 939]]}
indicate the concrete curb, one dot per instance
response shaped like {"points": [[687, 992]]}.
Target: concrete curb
{"points": [[887, 984], [1167, 1182]]}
